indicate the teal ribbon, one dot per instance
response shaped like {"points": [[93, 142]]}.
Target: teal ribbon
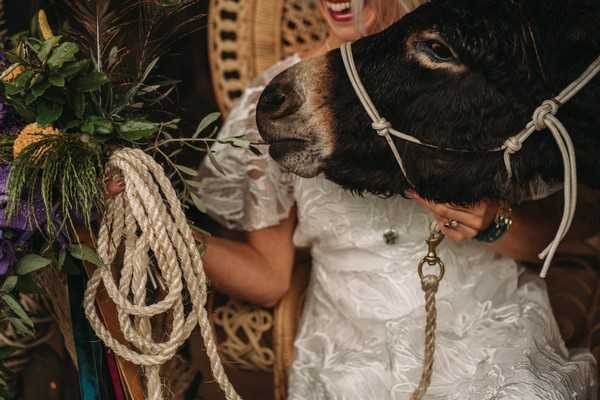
{"points": [[87, 345]]}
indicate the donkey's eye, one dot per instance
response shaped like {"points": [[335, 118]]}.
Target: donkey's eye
{"points": [[437, 51]]}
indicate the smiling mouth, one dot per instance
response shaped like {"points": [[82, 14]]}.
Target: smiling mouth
{"points": [[340, 11]]}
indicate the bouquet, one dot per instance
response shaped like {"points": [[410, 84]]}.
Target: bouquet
{"points": [[67, 102]]}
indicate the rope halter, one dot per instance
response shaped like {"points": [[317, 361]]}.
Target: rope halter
{"points": [[544, 117]]}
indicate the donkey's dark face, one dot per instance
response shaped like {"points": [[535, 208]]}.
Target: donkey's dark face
{"points": [[463, 74]]}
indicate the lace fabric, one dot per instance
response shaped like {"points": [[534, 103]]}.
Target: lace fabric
{"points": [[250, 192], [361, 334]]}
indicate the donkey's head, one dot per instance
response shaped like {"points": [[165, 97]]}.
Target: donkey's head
{"points": [[461, 74]]}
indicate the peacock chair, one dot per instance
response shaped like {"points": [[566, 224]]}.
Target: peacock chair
{"points": [[245, 38]]}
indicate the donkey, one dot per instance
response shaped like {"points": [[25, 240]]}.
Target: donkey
{"points": [[458, 74]]}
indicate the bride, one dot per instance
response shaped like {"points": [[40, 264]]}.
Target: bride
{"points": [[361, 333]]}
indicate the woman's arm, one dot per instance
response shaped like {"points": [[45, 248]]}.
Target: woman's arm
{"points": [[257, 270]]}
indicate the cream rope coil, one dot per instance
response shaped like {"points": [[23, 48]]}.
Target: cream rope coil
{"points": [[149, 217]]}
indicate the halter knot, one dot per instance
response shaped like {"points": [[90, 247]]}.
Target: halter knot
{"points": [[382, 126], [539, 115], [513, 145]]}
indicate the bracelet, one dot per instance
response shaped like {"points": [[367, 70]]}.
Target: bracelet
{"points": [[498, 228]]}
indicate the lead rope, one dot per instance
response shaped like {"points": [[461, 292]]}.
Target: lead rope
{"points": [[429, 284], [149, 217]]}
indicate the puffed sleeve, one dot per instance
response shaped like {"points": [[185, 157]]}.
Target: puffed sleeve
{"points": [[250, 192]]}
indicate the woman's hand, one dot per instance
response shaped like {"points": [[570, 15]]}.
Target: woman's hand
{"points": [[469, 221], [113, 186]]}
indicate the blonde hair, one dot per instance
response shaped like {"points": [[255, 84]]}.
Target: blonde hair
{"points": [[388, 12]]}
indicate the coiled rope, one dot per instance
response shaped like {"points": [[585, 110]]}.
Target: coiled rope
{"points": [[147, 218]]}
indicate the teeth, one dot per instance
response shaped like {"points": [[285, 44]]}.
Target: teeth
{"points": [[338, 7]]}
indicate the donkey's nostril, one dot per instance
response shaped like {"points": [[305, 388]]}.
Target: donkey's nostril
{"points": [[279, 100], [272, 98]]}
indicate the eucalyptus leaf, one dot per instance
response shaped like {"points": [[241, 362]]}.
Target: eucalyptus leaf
{"points": [[14, 305], [47, 47], [26, 113], [10, 89], [40, 88], [256, 151], [199, 230], [37, 78], [9, 284], [97, 125], [186, 170], [206, 121], [195, 184], [62, 54], [62, 254], [73, 68], [213, 161], [30, 263], [57, 80], [242, 143], [197, 202], [137, 129], [20, 326], [85, 253], [23, 79], [91, 82], [47, 112]]}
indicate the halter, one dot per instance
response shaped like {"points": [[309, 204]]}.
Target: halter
{"points": [[543, 118]]}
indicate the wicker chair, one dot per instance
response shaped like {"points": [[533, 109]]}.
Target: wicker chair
{"points": [[246, 37]]}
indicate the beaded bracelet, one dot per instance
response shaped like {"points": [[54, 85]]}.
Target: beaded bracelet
{"points": [[498, 228]]}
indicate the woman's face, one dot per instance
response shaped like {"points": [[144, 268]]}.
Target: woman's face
{"points": [[338, 15]]}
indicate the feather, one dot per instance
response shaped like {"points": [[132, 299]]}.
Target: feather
{"points": [[97, 28], [161, 25], [125, 37]]}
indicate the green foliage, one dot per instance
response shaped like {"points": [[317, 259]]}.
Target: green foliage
{"points": [[84, 253], [55, 87]]}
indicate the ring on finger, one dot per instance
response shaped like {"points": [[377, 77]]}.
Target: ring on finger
{"points": [[452, 224]]}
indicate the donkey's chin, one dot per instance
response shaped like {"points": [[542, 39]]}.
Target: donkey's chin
{"points": [[297, 158]]}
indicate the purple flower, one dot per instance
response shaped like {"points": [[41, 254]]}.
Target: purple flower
{"points": [[8, 256]]}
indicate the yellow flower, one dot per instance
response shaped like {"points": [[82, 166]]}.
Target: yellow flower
{"points": [[31, 134], [12, 73], [44, 25]]}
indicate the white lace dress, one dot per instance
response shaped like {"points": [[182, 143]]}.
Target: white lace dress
{"points": [[361, 334]]}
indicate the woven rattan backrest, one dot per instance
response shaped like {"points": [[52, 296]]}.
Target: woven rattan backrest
{"points": [[247, 36]]}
